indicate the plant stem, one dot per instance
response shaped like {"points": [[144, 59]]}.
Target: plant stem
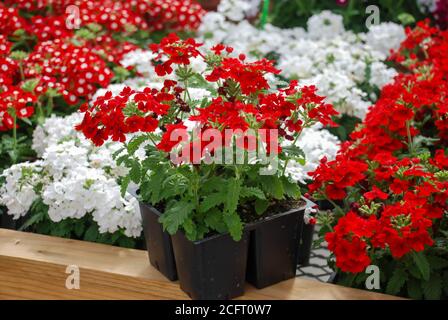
{"points": [[264, 14], [50, 106], [287, 160], [14, 136], [410, 143]]}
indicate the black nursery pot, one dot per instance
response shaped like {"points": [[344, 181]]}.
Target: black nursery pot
{"points": [[274, 246], [158, 242], [213, 268], [306, 243]]}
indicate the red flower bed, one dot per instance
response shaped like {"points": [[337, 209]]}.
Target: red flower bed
{"points": [[62, 51], [392, 175]]}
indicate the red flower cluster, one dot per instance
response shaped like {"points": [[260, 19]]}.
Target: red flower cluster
{"points": [[10, 20], [113, 15], [117, 116], [241, 101], [15, 101], [250, 76], [396, 195], [177, 52], [173, 15], [76, 72]]}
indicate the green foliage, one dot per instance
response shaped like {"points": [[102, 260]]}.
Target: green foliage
{"points": [[287, 13], [85, 228], [416, 275]]}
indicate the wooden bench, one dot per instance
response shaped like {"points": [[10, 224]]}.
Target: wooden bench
{"points": [[34, 267]]}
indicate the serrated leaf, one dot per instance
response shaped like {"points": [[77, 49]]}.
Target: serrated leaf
{"points": [[190, 229], [177, 184], [135, 143], [122, 159], [135, 172], [247, 192], [150, 189], [273, 186], [422, 264], [292, 189], [232, 196], [211, 201], [214, 220], [116, 153], [124, 184], [396, 282], [175, 215], [234, 225], [294, 152], [432, 289], [213, 184], [261, 206]]}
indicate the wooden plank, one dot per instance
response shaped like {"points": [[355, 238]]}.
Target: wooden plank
{"points": [[34, 267]]}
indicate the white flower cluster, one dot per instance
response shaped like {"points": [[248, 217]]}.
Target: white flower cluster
{"points": [[337, 61], [316, 144], [74, 178]]}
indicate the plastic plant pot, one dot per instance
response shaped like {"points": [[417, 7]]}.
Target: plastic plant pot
{"points": [[274, 246], [158, 242], [213, 268], [306, 244]]}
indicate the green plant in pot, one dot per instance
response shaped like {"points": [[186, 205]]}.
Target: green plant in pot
{"points": [[212, 182]]}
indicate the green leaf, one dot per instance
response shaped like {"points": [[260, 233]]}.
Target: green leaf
{"points": [[122, 159], [175, 215], [414, 289], [124, 184], [406, 18], [136, 172], [261, 206], [295, 152], [292, 189], [214, 220], [248, 192], [213, 184], [422, 264], [116, 153], [150, 189], [211, 201], [135, 143], [79, 228], [432, 288], [232, 195], [273, 186], [234, 225], [126, 242], [174, 185], [397, 281], [437, 263], [91, 233], [190, 229], [35, 218]]}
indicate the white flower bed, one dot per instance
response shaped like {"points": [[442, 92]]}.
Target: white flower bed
{"points": [[74, 179], [335, 60]]}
